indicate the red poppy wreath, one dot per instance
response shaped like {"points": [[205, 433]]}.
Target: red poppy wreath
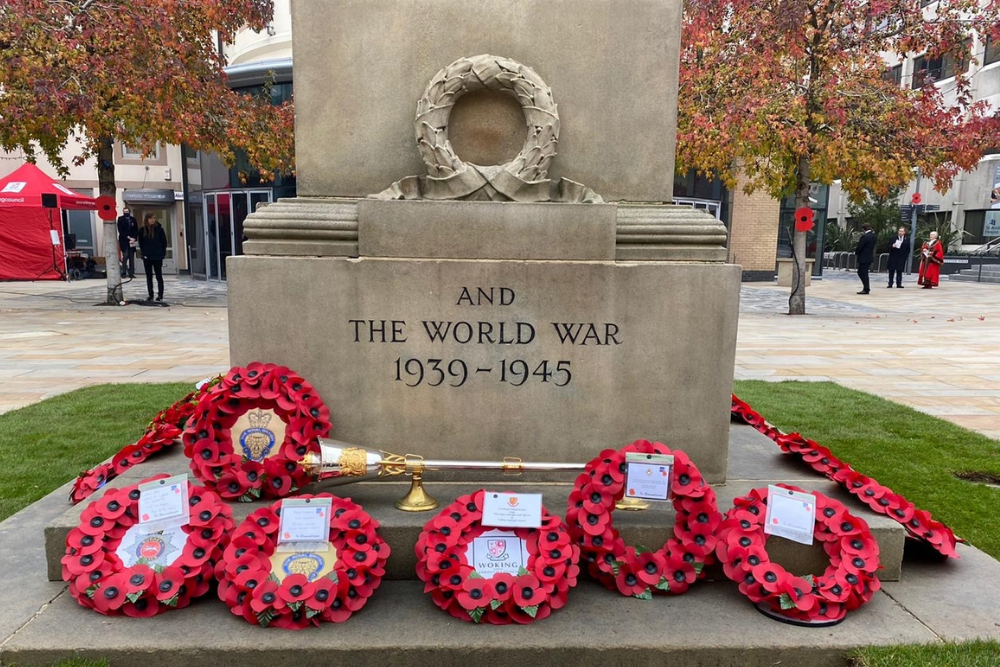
{"points": [[115, 565], [294, 590], [257, 463], [497, 576], [162, 432], [637, 571], [848, 582]]}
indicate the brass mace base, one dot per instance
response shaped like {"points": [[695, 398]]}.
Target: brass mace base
{"points": [[631, 505], [417, 499]]}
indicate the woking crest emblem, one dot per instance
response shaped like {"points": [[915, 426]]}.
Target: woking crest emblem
{"points": [[497, 549], [258, 440]]}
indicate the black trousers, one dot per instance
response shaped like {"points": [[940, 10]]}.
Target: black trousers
{"points": [[863, 274], [897, 269], [150, 266], [128, 262]]}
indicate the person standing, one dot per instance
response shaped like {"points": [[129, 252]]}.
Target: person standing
{"points": [[128, 235], [898, 252], [931, 259], [865, 252], [153, 246]]}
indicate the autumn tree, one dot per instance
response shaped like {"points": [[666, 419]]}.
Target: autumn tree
{"points": [[132, 71], [775, 94]]}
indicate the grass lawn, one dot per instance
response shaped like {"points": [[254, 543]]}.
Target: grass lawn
{"points": [[912, 453], [45, 445], [965, 654]]}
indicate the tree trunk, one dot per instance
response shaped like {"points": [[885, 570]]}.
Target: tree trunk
{"points": [[797, 299], [106, 184]]}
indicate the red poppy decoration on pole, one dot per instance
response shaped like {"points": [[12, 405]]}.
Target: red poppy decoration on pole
{"points": [[164, 431], [114, 565], [848, 582], [918, 523], [295, 590], [639, 573], [916, 198], [106, 208], [804, 219], [261, 467], [497, 576]]}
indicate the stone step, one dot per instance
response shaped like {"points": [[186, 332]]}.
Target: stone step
{"points": [[991, 270], [963, 278], [751, 458], [711, 625]]}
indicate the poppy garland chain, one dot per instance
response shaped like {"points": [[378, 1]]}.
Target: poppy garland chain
{"points": [[633, 571], [98, 578], [251, 588], [531, 594], [163, 431], [208, 441], [848, 582], [919, 524]]}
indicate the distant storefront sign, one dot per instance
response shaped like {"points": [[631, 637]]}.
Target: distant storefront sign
{"points": [[991, 225], [995, 194], [148, 196]]}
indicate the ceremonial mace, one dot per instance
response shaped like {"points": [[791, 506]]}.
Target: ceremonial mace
{"points": [[343, 463]]}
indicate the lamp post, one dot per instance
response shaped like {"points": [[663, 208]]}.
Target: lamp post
{"points": [[913, 225]]}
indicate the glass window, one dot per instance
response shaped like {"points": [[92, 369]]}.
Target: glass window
{"points": [[80, 223], [894, 74], [926, 69], [992, 51], [136, 154]]}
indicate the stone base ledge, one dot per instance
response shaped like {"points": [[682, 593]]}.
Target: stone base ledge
{"points": [[331, 227]]}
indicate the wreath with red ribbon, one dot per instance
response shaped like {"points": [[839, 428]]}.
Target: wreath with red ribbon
{"points": [[209, 444], [528, 595], [163, 431], [633, 571], [100, 580], [848, 582], [919, 524], [251, 588]]}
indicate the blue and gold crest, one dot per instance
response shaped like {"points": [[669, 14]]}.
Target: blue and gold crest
{"points": [[258, 440], [309, 564]]}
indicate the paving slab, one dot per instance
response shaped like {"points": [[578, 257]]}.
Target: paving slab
{"points": [[956, 599], [711, 626]]}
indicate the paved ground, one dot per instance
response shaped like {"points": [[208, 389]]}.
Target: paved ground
{"points": [[935, 350]]}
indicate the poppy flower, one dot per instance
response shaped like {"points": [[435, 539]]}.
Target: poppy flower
{"points": [[110, 597], [649, 567], [526, 591], [166, 583], [295, 588], [323, 593], [82, 543], [680, 575], [229, 485], [594, 524], [800, 592], [77, 564], [685, 481], [140, 577], [595, 500], [771, 576], [500, 586], [474, 594], [112, 505], [144, 607], [832, 590], [265, 597]]}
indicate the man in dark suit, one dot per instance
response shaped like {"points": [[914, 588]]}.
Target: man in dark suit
{"points": [[128, 236], [898, 252], [865, 253]]}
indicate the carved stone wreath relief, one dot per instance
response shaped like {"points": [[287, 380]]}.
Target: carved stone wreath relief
{"points": [[523, 179]]}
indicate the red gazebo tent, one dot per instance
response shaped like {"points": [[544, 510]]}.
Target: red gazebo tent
{"points": [[29, 232]]}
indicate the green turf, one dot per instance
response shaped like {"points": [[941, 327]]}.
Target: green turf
{"points": [[912, 453], [45, 445], [77, 662], [966, 654]]}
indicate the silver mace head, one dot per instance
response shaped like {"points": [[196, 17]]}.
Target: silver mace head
{"points": [[342, 462]]}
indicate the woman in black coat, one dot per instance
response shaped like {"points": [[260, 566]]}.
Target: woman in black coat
{"points": [[153, 246]]}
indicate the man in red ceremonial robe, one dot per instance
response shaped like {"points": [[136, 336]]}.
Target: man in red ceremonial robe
{"points": [[932, 257]]}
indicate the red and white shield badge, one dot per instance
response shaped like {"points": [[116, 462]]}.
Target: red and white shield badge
{"points": [[497, 548]]}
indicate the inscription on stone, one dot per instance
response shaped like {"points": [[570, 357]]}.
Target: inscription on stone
{"points": [[458, 371]]}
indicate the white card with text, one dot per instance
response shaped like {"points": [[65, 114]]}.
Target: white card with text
{"points": [[497, 551], [790, 514], [512, 510], [165, 502], [304, 523], [648, 476]]}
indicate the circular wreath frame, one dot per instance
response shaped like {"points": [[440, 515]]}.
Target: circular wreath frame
{"points": [[543, 586], [250, 589], [640, 572], [98, 578], [208, 441], [848, 582], [498, 74]]}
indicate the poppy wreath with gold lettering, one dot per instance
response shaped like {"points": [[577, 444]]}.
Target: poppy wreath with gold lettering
{"points": [[162, 570], [163, 431], [530, 592], [273, 469], [637, 571], [919, 524], [299, 589], [848, 582]]}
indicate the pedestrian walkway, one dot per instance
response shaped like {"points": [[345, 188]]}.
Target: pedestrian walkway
{"points": [[935, 350]]}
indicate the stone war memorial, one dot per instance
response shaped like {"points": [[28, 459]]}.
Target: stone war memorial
{"points": [[484, 311]]}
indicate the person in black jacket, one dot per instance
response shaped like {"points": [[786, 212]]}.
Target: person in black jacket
{"points": [[865, 253], [153, 246], [128, 233], [898, 252]]}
